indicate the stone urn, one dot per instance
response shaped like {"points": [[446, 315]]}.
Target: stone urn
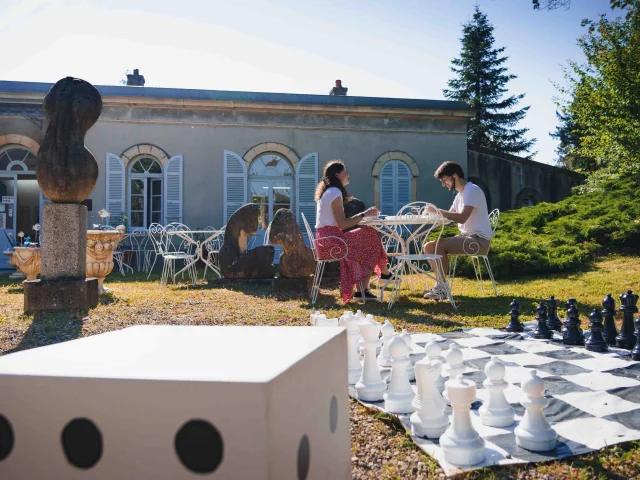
{"points": [[27, 260], [17, 274], [100, 247]]}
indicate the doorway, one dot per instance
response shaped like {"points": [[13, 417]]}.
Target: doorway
{"points": [[8, 195]]}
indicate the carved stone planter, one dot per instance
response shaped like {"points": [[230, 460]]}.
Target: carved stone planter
{"points": [[17, 274], [100, 247], [27, 260]]}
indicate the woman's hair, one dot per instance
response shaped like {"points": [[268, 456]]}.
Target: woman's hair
{"points": [[330, 179]]}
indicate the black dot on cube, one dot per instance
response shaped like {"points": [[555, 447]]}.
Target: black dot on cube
{"points": [[304, 457], [199, 446], [82, 443], [6, 438], [333, 414]]}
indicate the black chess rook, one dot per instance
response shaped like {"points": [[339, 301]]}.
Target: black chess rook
{"points": [[553, 322], [629, 306], [609, 330], [514, 323], [542, 331], [596, 342]]}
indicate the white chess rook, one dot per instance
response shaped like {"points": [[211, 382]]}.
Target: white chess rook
{"points": [[384, 359], [434, 351], [399, 395], [370, 387], [429, 419], [534, 432], [496, 412], [461, 444], [353, 336]]}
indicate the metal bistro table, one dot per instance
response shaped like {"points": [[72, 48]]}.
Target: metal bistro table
{"points": [[206, 236], [405, 231]]}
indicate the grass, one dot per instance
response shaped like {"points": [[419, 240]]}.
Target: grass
{"points": [[135, 301]]}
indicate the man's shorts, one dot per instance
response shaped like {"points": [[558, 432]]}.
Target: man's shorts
{"points": [[465, 245]]}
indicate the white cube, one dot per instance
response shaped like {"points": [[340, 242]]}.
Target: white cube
{"points": [[172, 402]]}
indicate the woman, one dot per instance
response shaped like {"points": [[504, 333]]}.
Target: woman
{"points": [[366, 253]]}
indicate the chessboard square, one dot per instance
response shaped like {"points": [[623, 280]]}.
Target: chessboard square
{"points": [[424, 338], [564, 448], [512, 393], [537, 346], [477, 376], [500, 349], [568, 354], [485, 430], [473, 354], [632, 371], [602, 381], [628, 419], [485, 332], [631, 394], [560, 367], [455, 334], [601, 363], [598, 404], [559, 385], [526, 359], [516, 374], [476, 341], [595, 432]]}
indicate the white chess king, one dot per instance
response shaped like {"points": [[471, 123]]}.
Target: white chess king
{"points": [[534, 432]]}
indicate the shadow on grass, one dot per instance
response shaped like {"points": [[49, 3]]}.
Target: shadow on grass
{"points": [[50, 328]]}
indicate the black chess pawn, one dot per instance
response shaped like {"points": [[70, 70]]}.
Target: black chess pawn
{"points": [[596, 342], [565, 323], [553, 322], [609, 330], [573, 335], [626, 339], [635, 353], [514, 323], [542, 330]]}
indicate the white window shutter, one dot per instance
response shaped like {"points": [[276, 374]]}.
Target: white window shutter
{"points": [[235, 184], [173, 190], [115, 186], [403, 184], [388, 190], [306, 183]]}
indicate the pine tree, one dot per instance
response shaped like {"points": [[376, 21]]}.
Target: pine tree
{"points": [[481, 81]]}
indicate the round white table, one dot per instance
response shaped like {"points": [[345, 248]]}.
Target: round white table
{"points": [[206, 236]]}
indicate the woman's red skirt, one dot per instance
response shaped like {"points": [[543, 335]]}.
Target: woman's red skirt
{"points": [[364, 253]]}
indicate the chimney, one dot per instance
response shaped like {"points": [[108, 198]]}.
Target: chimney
{"points": [[135, 80], [339, 90]]}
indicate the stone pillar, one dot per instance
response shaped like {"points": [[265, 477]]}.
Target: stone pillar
{"points": [[64, 245]]}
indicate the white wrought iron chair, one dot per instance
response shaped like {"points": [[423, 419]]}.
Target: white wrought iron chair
{"points": [[124, 246], [337, 253], [494, 216], [171, 253], [155, 237], [213, 247]]}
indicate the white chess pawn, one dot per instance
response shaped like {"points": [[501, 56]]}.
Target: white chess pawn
{"points": [[360, 315], [319, 316], [312, 317], [353, 359], [453, 357], [429, 419], [496, 412], [433, 351], [534, 432], [461, 444], [370, 387], [399, 396], [387, 330], [370, 317]]}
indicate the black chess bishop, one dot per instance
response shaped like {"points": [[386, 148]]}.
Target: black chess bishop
{"points": [[553, 321], [542, 331], [596, 342], [514, 323]]}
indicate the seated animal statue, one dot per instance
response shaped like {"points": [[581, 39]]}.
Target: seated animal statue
{"points": [[296, 261], [235, 260]]}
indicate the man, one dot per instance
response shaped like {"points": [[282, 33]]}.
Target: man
{"points": [[469, 211]]}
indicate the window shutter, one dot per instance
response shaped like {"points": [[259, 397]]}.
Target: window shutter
{"points": [[403, 184], [173, 190], [115, 186], [306, 182], [387, 190], [235, 184]]}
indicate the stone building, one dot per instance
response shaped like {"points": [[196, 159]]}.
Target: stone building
{"points": [[194, 156]]}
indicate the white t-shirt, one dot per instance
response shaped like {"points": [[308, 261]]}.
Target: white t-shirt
{"points": [[478, 221], [324, 212]]}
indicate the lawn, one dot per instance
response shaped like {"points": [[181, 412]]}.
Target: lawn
{"points": [[379, 448]]}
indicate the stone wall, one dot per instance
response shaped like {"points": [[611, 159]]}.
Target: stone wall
{"points": [[512, 182]]}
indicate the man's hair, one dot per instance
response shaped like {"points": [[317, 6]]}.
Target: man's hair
{"points": [[447, 169]]}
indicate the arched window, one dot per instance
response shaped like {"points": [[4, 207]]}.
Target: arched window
{"points": [[17, 158], [395, 186], [145, 192], [270, 185]]}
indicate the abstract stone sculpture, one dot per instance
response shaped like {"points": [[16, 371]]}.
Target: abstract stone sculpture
{"points": [[235, 260], [66, 170], [296, 261]]}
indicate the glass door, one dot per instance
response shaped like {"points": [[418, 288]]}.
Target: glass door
{"points": [[270, 196], [8, 214]]}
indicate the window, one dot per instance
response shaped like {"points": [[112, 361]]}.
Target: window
{"points": [[395, 186], [14, 157], [145, 192], [270, 186]]}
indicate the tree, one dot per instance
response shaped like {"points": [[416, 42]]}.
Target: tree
{"points": [[604, 94], [481, 80], [568, 134], [566, 4]]}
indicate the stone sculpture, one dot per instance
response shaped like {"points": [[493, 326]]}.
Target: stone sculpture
{"points": [[296, 261]]}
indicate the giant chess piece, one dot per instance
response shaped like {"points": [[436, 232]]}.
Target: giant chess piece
{"points": [[461, 444], [353, 359], [534, 432], [596, 342], [553, 321], [414, 358], [625, 338], [573, 335], [384, 359], [429, 419], [565, 323], [635, 353], [496, 412], [454, 357], [609, 330], [542, 331], [434, 351], [399, 396], [514, 323], [370, 387]]}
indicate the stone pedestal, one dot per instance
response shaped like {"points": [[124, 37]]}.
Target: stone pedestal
{"points": [[64, 240], [99, 253], [60, 295]]}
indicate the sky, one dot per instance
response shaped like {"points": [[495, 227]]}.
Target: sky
{"points": [[378, 48]]}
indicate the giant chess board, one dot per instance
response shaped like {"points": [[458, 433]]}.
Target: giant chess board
{"points": [[594, 398]]}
